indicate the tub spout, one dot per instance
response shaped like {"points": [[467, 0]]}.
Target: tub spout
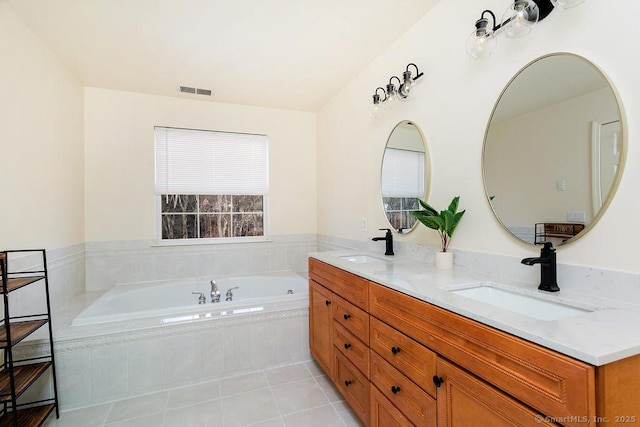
{"points": [[230, 294], [215, 292]]}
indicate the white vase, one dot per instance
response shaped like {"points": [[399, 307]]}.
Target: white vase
{"points": [[444, 260]]}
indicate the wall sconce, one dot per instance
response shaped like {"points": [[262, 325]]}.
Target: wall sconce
{"points": [[392, 94], [517, 21]]}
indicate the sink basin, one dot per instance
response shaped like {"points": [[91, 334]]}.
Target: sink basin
{"points": [[361, 259], [527, 305]]}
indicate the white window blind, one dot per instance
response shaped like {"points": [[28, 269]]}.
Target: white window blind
{"points": [[403, 173], [206, 162]]}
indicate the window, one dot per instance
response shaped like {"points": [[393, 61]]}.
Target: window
{"points": [[403, 182], [210, 185]]}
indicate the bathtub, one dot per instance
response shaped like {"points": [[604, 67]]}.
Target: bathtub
{"points": [[174, 301]]}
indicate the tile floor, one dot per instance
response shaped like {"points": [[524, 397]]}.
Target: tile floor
{"points": [[291, 396]]}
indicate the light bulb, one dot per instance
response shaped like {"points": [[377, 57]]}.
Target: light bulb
{"points": [[480, 45], [566, 4], [392, 96], [406, 88], [519, 18]]}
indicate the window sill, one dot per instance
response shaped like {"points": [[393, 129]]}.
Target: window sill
{"points": [[196, 242]]}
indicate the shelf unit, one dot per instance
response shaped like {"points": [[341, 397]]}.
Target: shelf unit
{"points": [[17, 375]]}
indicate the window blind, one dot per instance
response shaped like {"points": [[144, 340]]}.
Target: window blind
{"points": [[207, 162], [403, 173]]}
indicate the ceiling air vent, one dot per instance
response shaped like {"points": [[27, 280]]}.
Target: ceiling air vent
{"points": [[195, 91]]}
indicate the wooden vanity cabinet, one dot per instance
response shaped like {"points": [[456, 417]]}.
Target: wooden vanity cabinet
{"points": [[465, 400], [401, 361], [339, 332], [321, 326]]}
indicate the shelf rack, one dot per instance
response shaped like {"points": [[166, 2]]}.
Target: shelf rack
{"points": [[17, 375]]}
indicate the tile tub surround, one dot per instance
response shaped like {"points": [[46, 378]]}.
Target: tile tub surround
{"points": [[110, 263], [104, 363], [597, 338]]}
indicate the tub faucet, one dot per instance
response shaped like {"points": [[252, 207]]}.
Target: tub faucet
{"points": [[230, 294], [547, 261], [388, 238], [215, 292]]}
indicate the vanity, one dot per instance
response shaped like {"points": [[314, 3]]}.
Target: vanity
{"points": [[404, 350]]}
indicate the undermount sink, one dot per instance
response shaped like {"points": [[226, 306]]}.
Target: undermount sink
{"points": [[361, 259], [527, 305]]}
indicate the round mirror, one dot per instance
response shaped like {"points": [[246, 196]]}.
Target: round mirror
{"points": [[553, 150], [405, 168]]}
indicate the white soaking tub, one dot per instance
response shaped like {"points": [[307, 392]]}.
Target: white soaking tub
{"points": [[174, 301]]}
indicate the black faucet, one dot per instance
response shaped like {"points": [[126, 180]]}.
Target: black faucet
{"points": [[388, 237], [547, 261]]}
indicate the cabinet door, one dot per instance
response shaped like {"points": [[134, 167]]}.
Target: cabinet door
{"points": [[321, 326], [464, 400], [384, 414]]}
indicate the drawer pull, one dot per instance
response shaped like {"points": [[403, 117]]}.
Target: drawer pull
{"points": [[327, 302], [395, 350], [395, 389], [437, 380], [347, 346], [347, 383], [346, 316]]}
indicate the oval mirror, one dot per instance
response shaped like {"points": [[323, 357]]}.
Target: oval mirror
{"points": [[405, 168], [554, 149]]}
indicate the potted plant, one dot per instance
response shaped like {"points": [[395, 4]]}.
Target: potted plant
{"points": [[445, 223]]}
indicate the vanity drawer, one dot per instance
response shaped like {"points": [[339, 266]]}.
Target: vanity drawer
{"points": [[349, 286], [384, 414], [355, 350], [554, 384], [411, 400], [353, 385], [352, 318], [408, 356]]}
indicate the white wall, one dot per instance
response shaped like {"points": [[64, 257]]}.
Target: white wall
{"points": [[453, 102], [41, 149], [525, 161], [119, 160]]}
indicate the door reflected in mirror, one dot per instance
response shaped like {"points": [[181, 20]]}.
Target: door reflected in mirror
{"points": [[553, 150], [404, 175]]}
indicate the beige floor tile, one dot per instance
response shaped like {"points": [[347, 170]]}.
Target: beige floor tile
{"points": [[136, 407], [299, 396], [248, 408], [207, 414], [324, 416], [243, 383], [287, 374], [194, 394]]}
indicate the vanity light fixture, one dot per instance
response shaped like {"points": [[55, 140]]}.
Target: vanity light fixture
{"points": [[517, 21], [392, 94]]}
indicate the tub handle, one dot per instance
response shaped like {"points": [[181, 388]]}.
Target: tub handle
{"points": [[230, 294], [201, 299]]}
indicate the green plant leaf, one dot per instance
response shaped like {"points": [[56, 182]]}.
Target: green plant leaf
{"points": [[453, 206], [427, 207]]}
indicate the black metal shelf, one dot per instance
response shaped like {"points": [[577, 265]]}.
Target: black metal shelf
{"points": [[16, 376]]}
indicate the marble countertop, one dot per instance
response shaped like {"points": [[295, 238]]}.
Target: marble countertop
{"points": [[608, 333]]}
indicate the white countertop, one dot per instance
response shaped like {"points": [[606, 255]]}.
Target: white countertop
{"points": [[610, 333]]}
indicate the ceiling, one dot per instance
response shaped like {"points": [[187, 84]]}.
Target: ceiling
{"points": [[290, 54]]}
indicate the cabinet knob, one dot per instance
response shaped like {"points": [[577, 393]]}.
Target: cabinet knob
{"points": [[347, 383], [437, 380], [347, 346], [327, 302], [346, 316], [395, 350], [395, 389]]}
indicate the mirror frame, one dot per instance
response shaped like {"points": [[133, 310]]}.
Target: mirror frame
{"points": [[427, 177], [623, 148]]}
